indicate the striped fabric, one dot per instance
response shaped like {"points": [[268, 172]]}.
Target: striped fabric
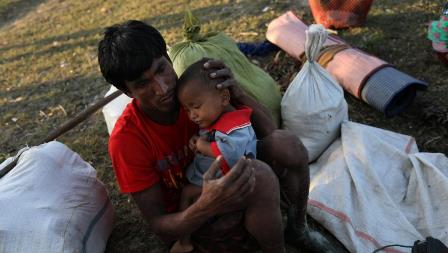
{"points": [[391, 91]]}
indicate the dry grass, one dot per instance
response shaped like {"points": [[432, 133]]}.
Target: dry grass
{"points": [[49, 73]]}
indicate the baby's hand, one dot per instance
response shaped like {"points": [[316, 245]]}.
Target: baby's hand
{"points": [[192, 144], [202, 145]]}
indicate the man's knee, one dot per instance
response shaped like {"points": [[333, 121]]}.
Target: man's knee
{"points": [[282, 149], [265, 178], [295, 155]]}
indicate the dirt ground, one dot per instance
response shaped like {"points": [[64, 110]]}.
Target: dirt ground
{"points": [[48, 73]]}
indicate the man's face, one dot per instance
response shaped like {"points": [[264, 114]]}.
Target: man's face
{"points": [[155, 89]]}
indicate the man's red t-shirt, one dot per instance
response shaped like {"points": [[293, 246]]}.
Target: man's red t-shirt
{"points": [[144, 153]]}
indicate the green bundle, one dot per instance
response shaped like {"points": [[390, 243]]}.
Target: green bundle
{"points": [[252, 79]]}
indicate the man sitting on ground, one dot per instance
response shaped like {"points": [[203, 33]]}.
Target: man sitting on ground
{"points": [[149, 152]]}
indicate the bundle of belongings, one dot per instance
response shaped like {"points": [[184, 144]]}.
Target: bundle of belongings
{"points": [[373, 188], [366, 77], [51, 201], [313, 107]]}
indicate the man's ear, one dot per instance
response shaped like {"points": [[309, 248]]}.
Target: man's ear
{"points": [[225, 97], [127, 93], [125, 90]]}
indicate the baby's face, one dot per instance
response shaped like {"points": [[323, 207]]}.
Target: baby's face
{"points": [[204, 105]]}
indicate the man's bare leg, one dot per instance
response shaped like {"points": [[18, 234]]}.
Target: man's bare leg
{"points": [[288, 157], [263, 218]]}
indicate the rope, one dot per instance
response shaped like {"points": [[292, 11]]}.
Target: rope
{"points": [[391, 245]]}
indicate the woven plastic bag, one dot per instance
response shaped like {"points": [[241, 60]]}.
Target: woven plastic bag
{"points": [[252, 79], [313, 106], [52, 202]]}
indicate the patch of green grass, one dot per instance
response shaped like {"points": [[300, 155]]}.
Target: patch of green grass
{"points": [[50, 73]]}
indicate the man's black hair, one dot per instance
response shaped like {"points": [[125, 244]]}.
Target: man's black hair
{"points": [[196, 71], [128, 50]]}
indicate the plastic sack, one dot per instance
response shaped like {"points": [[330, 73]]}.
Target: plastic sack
{"points": [[51, 201], [113, 110], [252, 79], [372, 188], [313, 106]]}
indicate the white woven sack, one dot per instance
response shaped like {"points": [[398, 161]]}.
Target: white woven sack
{"points": [[113, 110], [313, 106], [372, 187], [52, 202]]}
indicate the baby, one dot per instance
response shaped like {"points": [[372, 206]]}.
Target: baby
{"points": [[224, 130]]}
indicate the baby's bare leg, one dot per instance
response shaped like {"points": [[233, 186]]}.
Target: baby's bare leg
{"points": [[189, 195]]}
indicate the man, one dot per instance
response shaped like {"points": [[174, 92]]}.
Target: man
{"points": [[149, 151]]}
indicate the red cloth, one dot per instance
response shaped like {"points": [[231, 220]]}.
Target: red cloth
{"points": [[227, 123], [144, 153]]}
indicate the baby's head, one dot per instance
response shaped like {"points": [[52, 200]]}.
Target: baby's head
{"points": [[199, 96]]}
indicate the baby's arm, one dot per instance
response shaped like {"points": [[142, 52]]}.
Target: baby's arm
{"points": [[204, 147]]}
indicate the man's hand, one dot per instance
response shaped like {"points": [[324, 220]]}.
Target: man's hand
{"points": [[227, 193], [218, 70]]}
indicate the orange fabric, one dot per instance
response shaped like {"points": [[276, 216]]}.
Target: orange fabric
{"points": [[340, 13]]}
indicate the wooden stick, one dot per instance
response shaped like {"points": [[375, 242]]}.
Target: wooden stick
{"points": [[81, 117], [68, 125]]}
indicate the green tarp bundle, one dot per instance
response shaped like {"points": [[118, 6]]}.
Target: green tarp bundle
{"points": [[252, 79]]}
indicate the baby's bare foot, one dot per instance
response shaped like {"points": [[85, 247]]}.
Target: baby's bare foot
{"points": [[181, 247]]}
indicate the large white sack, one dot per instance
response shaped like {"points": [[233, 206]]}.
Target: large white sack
{"points": [[313, 106], [373, 188], [52, 202], [114, 108]]}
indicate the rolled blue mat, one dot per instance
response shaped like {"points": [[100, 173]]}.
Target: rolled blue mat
{"points": [[257, 49], [391, 91]]}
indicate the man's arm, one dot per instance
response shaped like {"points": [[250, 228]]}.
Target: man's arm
{"points": [[219, 195], [168, 227], [261, 117]]}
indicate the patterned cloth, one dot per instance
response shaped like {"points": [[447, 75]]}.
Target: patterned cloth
{"points": [[438, 31]]}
